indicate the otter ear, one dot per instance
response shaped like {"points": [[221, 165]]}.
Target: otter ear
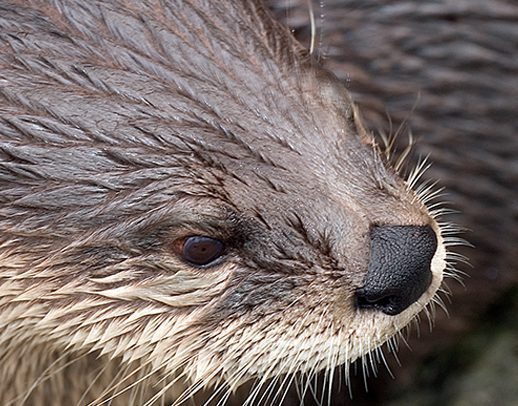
{"points": [[333, 91]]}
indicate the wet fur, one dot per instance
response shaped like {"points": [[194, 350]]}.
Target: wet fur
{"points": [[124, 126]]}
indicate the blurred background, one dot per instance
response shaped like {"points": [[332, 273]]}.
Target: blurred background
{"points": [[446, 71]]}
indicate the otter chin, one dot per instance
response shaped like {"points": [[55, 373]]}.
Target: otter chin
{"points": [[190, 203]]}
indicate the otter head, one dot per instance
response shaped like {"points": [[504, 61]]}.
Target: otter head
{"points": [[185, 188]]}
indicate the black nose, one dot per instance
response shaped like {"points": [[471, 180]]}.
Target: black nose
{"points": [[399, 267]]}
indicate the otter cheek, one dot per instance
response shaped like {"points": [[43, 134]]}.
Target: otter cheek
{"points": [[399, 268]]}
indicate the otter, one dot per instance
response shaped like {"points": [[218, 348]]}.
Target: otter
{"points": [[190, 204]]}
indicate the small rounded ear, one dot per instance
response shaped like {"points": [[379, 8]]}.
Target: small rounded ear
{"points": [[333, 92]]}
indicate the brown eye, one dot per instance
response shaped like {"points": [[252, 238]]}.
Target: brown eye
{"points": [[200, 250]]}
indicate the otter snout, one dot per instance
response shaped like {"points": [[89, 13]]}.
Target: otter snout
{"points": [[399, 267]]}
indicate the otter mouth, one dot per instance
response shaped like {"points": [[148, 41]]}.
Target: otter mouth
{"points": [[399, 269]]}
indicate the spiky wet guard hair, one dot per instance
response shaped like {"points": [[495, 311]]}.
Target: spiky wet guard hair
{"points": [[125, 126]]}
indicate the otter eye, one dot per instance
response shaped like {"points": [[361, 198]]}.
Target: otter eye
{"points": [[199, 250]]}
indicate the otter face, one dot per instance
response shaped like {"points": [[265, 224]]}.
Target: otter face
{"points": [[199, 201]]}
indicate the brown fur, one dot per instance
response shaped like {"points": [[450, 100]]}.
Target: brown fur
{"points": [[125, 126]]}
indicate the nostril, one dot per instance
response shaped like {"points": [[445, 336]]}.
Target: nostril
{"points": [[387, 303], [399, 268]]}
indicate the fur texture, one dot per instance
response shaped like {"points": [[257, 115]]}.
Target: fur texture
{"points": [[127, 125]]}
